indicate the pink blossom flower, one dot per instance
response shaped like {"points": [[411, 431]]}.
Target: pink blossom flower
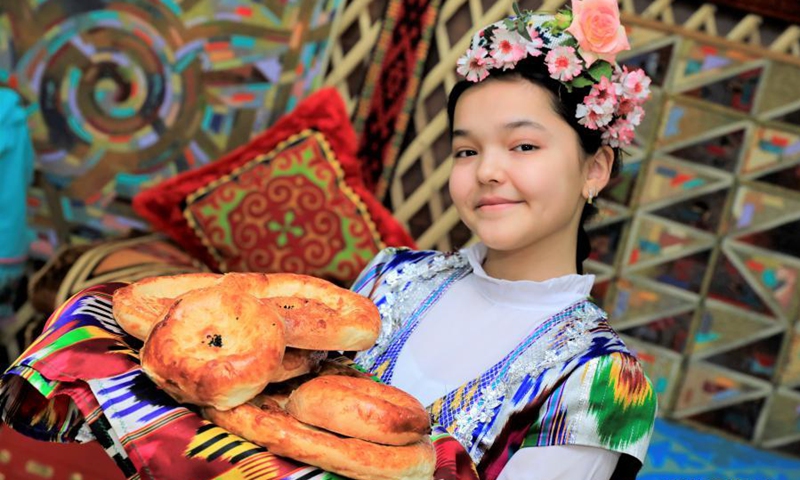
{"points": [[507, 48], [626, 106], [635, 84], [619, 134], [474, 65], [533, 47], [563, 64], [593, 116], [604, 94], [635, 117], [596, 27]]}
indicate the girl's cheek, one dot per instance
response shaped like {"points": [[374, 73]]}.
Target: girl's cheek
{"points": [[457, 183], [459, 193]]}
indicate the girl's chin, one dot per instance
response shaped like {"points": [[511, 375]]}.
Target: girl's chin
{"points": [[494, 241]]}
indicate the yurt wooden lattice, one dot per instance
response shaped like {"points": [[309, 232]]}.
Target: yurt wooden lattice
{"points": [[697, 248]]}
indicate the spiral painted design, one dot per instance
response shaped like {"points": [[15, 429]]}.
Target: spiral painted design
{"points": [[125, 94]]}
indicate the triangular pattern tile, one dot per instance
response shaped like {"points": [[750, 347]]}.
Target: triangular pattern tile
{"points": [[685, 119], [777, 277], [721, 151], [672, 180], [771, 148]]}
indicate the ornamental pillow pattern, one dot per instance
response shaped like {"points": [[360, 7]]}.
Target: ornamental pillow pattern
{"points": [[289, 210]]}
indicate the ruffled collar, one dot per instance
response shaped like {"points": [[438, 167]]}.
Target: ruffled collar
{"points": [[558, 291]]}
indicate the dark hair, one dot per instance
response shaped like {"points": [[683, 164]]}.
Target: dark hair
{"points": [[564, 103]]}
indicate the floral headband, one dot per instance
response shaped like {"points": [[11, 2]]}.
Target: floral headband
{"points": [[579, 48]]}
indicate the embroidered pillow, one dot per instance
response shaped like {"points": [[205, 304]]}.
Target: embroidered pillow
{"points": [[292, 200]]}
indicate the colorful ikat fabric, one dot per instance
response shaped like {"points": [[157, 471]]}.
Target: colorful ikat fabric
{"points": [[570, 381], [81, 381]]}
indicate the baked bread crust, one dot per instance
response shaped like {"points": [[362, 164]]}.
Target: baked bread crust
{"points": [[318, 314], [263, 422], [297, 362], [138, 306], [214, 347], [360, 408]]}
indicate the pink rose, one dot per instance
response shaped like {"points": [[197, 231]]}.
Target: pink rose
{"points": [[596, 26]]}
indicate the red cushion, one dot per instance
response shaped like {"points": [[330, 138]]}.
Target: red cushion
{"points": [[291, 200]]}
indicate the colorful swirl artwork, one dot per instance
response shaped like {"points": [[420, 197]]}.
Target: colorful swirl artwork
{"points": [[124, 94]]}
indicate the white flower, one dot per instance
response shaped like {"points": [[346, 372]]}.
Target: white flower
{"points": [[635, 117], [635, 84], [474, 65], [508, 48], [593, 115], [533, 47], [563, 64]]}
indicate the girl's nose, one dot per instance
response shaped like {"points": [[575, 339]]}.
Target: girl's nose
{"points": [[491, 168]]}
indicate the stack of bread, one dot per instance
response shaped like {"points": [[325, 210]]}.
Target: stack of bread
{"points": [[249, 348]]}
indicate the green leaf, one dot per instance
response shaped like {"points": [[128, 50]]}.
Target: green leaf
{"points": [[563, 19], [601, 69], [523, 31], [581, 82], [517, 11]]}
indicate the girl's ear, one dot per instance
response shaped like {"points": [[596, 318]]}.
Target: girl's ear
{"points": [[598, 170]]}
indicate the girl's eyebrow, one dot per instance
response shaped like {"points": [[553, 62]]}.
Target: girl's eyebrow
{"points": [[508, 126], [524, 123]]}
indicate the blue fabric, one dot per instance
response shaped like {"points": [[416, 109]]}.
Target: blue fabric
{"points": [[678, 452], [16, 173]]}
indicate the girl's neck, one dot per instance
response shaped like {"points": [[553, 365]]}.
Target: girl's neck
{"points": [[536, 262]]}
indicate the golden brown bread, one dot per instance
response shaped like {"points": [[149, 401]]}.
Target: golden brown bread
{"points": [[282, 390], [214, 347], [298, 362], [334, 367], [360, 408], [138, 306], [318, 314], [263, 422]]}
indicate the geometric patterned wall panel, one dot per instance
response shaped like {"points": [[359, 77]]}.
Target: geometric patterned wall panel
{"points": [[697, 245], [715, 213]]}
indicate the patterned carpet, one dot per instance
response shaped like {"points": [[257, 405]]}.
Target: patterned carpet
{"points": [[681, 453]]}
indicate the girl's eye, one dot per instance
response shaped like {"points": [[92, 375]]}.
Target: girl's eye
{"points": [[525, 147], [465, 153]]}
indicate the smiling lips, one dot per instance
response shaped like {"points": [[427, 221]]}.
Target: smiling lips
{"points": [[494, 203]]}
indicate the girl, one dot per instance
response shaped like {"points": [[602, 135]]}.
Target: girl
{"points": [[499, 339]]}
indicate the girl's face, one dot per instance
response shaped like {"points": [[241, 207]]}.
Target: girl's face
{"points": [[519, 178]]}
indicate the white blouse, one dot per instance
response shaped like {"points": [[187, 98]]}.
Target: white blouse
{"points": [[453, 345]]}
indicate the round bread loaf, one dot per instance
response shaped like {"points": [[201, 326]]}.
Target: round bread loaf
{"points": [[215, 347], [334, 367], [360, 408], [138, 306], [318, 314], [298, 362], [264, 422]]}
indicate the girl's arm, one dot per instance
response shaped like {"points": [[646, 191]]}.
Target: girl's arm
{"points": [[561, 462], [606, 407]]}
